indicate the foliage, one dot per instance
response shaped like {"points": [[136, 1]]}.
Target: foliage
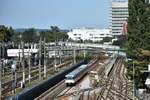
{"points": [[138, 25], [80, 56], [32, 35], [107, 39], [57, 34], [138, 38], [5, 33], [121, 41], [54, 34]]}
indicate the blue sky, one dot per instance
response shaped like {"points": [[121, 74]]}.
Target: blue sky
{"points": [[65, 14]]}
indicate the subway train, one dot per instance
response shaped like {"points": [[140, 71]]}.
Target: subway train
{"points": [[73, 77]]}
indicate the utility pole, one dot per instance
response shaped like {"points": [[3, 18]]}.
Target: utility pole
{"points": [[55, 65], [45, 61], [115, 79], [19, 57], [84, 49], [60, 54], [23, 64], [29, 62], [133, 81], [0, 75], [3, 55], [74, 55], [40, 59], [13, 68]]}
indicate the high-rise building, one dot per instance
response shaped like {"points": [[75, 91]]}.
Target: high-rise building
{"points": [[118, 16]]}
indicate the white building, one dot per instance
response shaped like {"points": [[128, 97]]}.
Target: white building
{"points": [[118, 16], [89, 34], [16, 52]]}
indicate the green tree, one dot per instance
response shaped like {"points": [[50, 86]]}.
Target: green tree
{"points": [[30, 35], [138, 41], [5, 35], [55, 34], [138, 26]]}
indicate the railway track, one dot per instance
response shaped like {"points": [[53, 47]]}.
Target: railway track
{"points": [[7, 87], [48, 95], [52, 92], [119, 90], [65, 92], [105, 93], [114, 87], [123, 88]]}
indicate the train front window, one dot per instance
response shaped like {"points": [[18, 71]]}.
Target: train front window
{"points": [[70, 78]]}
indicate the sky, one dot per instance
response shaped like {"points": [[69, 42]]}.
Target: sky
{"points": [[65, 14]]}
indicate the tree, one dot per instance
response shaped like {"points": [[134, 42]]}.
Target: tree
{"points": [[138, 41], [138, 25], [55, 34], [107, 39], [30, 35], [5, 35]]}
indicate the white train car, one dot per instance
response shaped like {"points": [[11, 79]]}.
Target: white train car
{"points": [[75, 75]]}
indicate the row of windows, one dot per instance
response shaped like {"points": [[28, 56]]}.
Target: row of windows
{"points": [[113, 8], [118, 20], [119, 17], [119, 10], [89, 37], [116, 32], [90, 34], [95, 37], [116, 29], [117, 24], [119, 14], [123, 18], [76, 34], [100, 34]]}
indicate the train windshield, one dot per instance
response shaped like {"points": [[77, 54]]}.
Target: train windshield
{"points": [[70, 78]]}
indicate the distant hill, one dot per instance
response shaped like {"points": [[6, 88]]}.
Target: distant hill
{"points": [[20, 30]]}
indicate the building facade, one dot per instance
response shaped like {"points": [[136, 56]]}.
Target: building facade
{"points": [[89, 34], [118, 16]]}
